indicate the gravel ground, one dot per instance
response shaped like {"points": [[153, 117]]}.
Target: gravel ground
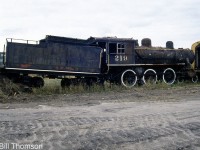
{"points": [[139, 119]]}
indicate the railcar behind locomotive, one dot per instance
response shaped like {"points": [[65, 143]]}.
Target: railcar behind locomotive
{"points": [[117, 60]]}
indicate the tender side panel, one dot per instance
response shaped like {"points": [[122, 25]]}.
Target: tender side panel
{"points": [[53, 57]]}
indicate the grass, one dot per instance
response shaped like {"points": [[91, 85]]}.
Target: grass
{"points": [[52, 86]]}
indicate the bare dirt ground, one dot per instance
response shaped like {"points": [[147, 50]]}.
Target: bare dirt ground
{"points": [[136, 119]]}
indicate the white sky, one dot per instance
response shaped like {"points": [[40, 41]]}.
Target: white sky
{"points": [[160, 20]]}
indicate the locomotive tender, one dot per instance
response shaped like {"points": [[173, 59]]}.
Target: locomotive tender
{"points": [[117, 60]]}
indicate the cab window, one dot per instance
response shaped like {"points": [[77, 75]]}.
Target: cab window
{"points": [[117, 48], [120, 48]]}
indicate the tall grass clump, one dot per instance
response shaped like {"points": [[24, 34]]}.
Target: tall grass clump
{"points": [[157, 85], [8, 88]]}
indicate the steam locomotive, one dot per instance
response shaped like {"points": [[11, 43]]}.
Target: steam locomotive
{"points": [[117, 60]]}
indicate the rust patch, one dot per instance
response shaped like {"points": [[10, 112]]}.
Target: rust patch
{"points": [[25, 65]]}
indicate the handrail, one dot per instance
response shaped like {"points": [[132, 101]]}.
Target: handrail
{"points": [[22, 41]]}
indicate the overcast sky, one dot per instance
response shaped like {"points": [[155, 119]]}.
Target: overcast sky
{"points": [[160, 20]]}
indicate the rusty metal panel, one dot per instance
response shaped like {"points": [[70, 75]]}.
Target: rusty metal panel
{"points": [[54, 56], [151, 56]]}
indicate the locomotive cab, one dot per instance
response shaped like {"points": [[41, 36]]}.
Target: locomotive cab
{"points": [[117, 51]]}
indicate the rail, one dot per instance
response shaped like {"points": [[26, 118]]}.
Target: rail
{"points": [[21, 41]]}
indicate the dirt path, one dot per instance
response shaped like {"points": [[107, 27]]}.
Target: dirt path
{"points": [[151, 119]]}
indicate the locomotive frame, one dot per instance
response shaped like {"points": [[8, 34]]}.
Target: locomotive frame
{"points": [[117, 60]]}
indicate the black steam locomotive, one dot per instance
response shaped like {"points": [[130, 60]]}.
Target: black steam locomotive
{"points": [[117, 60]]}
